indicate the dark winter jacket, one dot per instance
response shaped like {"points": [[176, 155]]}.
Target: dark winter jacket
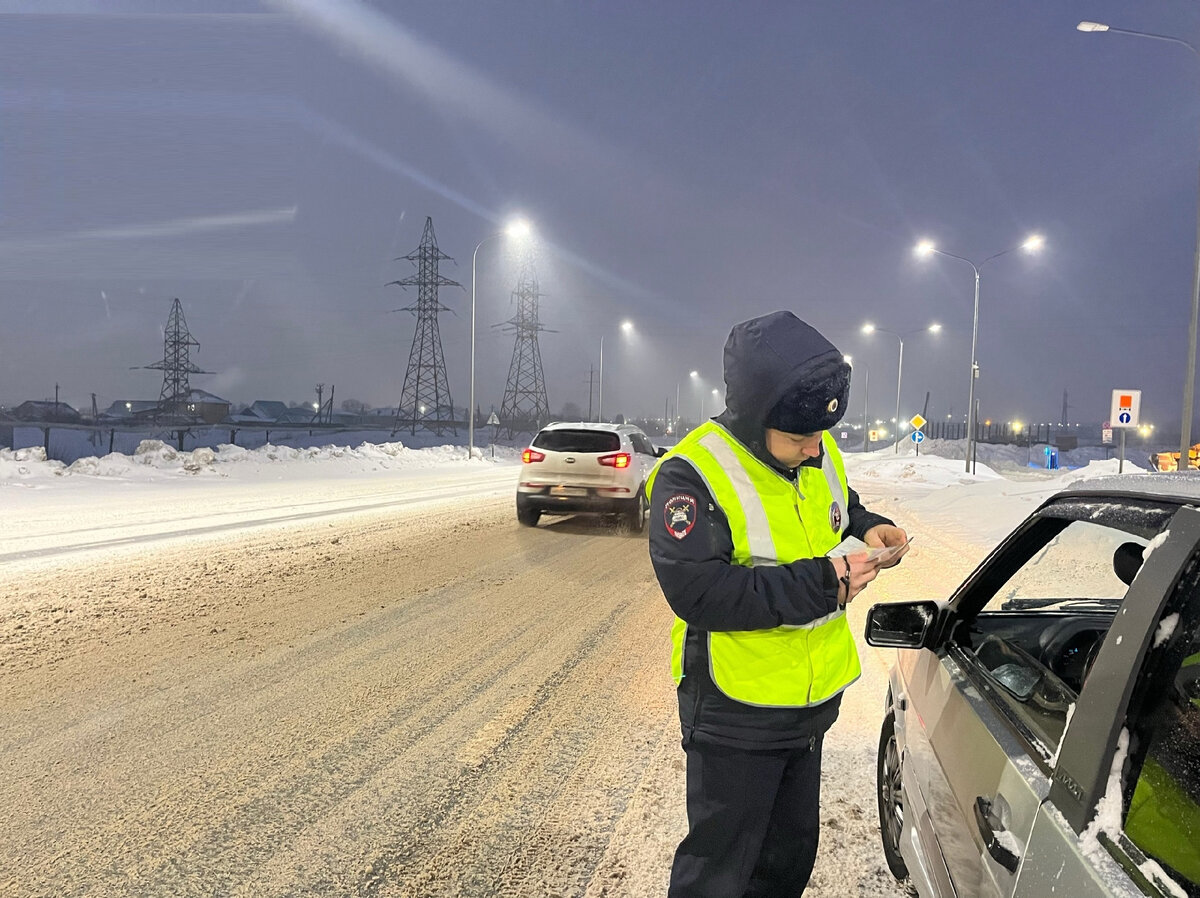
{"points": [[708, 591]]}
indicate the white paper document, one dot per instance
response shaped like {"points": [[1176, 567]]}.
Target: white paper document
{"points": [[853, 546]]}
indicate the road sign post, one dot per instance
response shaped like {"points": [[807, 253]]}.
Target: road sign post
{"points": [[1125, 413], [917, 436], [494, 421]]}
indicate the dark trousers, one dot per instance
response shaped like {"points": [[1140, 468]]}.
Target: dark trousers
{"points": [[753, 822]]}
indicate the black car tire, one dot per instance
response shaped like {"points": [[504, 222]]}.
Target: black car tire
{"points": [[891, 797], [635, 517], [527, 515]]}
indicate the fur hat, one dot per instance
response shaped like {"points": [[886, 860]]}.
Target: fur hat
{"points": [[817, 401]]}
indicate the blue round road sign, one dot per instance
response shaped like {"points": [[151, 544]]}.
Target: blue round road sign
{"points": [[917, 437], [1125, 417]]}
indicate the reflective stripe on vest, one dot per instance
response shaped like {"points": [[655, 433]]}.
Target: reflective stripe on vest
{"points": [[773, 521]]}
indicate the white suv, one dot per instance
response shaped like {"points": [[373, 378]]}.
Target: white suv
{"points": [[585, 467]]}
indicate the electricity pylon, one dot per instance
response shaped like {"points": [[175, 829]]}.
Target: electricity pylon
{"points": [[176, 366], [525, 406], [425, 398]]}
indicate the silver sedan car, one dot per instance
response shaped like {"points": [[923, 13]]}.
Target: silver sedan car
{"points": [[1042, 729]]}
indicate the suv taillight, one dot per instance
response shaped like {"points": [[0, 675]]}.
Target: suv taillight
{"points": [[619, 460], [529, 456]]}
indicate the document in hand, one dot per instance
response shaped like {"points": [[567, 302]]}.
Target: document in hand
{"points": [[854, 546]]}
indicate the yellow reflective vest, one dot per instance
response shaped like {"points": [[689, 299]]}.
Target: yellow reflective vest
{"points": [[772, 521]]}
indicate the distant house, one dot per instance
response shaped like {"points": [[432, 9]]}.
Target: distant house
{"points": [[265, 411], [130, 410], [202, 405], [300, 414], [46, 410], [208, 408]]}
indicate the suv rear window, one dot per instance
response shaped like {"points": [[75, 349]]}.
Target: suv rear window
{"points": [[577, 441]]}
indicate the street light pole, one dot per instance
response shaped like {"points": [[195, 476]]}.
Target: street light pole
{"points": [[972, 423], [1189, 379], [870, 329], [899, 374], [471, 396], [517, 228], [600, 389], [626, 328], [866, 383], [1032, 243], [866, 423]]}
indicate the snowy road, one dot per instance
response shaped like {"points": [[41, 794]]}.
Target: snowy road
{"points": [[206, 507], [418, 700]]}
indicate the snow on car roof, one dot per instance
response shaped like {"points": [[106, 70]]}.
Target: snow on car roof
{"points": [[1178, 486], [589, 425]]}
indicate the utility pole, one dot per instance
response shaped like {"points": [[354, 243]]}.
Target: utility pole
{"points": [[320, 402]]}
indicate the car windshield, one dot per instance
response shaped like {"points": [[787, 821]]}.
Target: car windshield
{"points": [[577, 441]]}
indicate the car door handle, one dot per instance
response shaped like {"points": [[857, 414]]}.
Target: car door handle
{"points": [[1003, 856]]}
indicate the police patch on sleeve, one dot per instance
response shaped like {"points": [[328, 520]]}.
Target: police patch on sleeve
{"points": [[835, 516], [680, 514]]}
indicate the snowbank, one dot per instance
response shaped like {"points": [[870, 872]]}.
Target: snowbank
{"points": [[154, 460]]}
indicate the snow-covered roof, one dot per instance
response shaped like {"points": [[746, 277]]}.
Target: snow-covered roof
{"points": [[46, 404], [263, 410], [205, 396], [301, 414], [123, 407], [44, 410]]}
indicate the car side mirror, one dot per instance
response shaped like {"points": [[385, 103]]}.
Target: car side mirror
{"points": [[661, 451], [901, 625]]}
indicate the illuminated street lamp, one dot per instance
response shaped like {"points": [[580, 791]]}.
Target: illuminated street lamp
{"points": [[1031, 244], [518, 229], [869, 328], [1189, 378], [626, 329]]}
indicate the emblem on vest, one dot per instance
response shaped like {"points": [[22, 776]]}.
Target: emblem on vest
{"points": [[680, 515], [835, 516]]}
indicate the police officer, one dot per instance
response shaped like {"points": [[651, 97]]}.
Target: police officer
{"points": [[743, 512]]}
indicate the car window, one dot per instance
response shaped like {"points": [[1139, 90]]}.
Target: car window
{"points": [[1163, 818], [577, 441], [1035, 638], [1081, 563]]}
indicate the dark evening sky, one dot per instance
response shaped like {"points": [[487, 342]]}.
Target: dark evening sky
{"points": [[685, 166]]}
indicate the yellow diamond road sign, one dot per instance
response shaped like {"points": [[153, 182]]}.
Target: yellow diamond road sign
{"points": [[917, 421]]}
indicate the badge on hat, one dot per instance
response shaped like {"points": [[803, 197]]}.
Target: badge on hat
{"points": [[833, 405], [835, 515], [680, 515]]}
